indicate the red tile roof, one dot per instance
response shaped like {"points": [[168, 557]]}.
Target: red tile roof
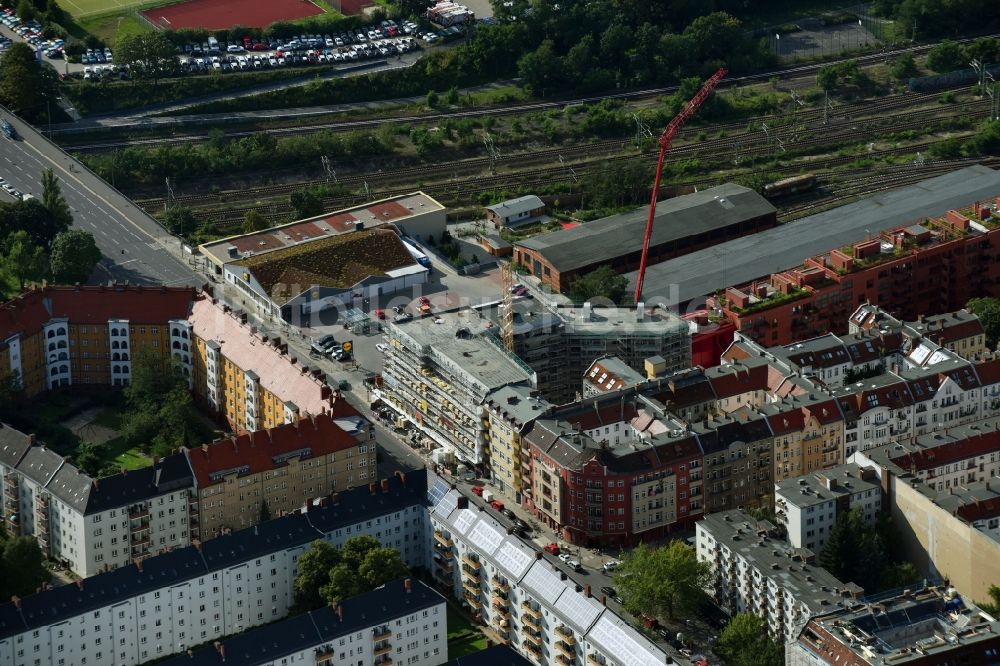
{"points": [[989, 371], [735, 379], [28, 312], [950, 452], [987, 508], [252, 453], [390, 210]]}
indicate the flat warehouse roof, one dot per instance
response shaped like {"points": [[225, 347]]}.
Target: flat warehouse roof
{"points": [[744, 259], [610, 237]]}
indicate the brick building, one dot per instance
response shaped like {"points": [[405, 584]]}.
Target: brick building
{"points": [[682, 225], [281, 468], [930, 267]]}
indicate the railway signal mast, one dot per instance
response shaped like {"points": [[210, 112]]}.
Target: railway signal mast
{"points": [[665, 141]]}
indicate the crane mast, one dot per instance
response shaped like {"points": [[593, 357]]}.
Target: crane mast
{"points": [[665, 141]]}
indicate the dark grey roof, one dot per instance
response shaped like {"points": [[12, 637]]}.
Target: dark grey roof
{"points": [[128, 487], [71, 486], [603, 240], [40, 464], [744, 259], [183, 564], [265, 645], [13, 445], [498, 655]]}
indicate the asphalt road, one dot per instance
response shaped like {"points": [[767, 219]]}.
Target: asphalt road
{"points": [[132, 243]]}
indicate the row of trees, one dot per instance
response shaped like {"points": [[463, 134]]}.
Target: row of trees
{"points": [[935, 18], [36, 241], [26, 88], [869, 555], [328, 574], [949, 56]]}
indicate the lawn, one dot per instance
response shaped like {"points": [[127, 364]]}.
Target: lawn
{"points": [[118, 451], [463, 637], [109, 28], [113, 8]]}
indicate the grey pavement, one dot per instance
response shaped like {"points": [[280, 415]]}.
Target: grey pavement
{"points": [[133, 244]]}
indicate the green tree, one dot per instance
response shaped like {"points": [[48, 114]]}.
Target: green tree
{"points": [[380, 566], [662, 581], [905, 67], [363, 565], [148, 55], [988, 311], [254, 221], [306, 203], [74, 256], [541, 69], [433, 99], [33, 218], [854, 551], [54, 201], [90, 457], [180, 220], [22, 560], [993, 605], [26, 11], [412, 8], [899, 575], [313, 573], [25, 260], [827, 77], [947, 57], [265, 512], [602, 282], [22, 84], [745, 642]]}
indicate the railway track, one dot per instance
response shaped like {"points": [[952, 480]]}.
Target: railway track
{"points": [[790, 73], [576, 161]]}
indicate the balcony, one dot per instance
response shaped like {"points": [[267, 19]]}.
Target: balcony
{"points": [[566, 634], [532, 639], [382, 649], [565, 659], [444, 564], [472, 587], [499, 585], [472, 576], [443, 540], [471, 563], [535, 650], [140, 512], [501, 604], [384, 659], [595, 660], [141, 541], [473, 601], [566, 649], [383, 634], [324, 655]]}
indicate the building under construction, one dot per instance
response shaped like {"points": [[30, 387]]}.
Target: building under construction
{"points": [[682, 225]]}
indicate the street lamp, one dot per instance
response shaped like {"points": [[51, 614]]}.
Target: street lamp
{"points": [[777, 42]]}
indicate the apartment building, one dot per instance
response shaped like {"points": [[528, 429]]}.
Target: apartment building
{"points": [[612, 470], [560, 342], [934, 266], [960, 331], [511, 410], [754, 571], [918, 627], [440, 372], [401, 622], [91, 525], [737, 451], [808, 434], [82, 335], [187, 596], [247, 378], [609, 374], [946, 501], [277, 470], [539, 611], [943, 460], [808, 506]]}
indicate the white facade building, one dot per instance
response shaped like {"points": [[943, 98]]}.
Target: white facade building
{"points": [[187, 596], [92, 525], [547, 617], [808, 505], [402, 622], [753, 572]]}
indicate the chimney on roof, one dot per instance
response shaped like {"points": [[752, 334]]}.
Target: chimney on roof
{"points": [[538, 554], [586, 590], [401, 477], [462, 503], [95, 484], [16, 600], [32, 438], [269, 435], [385, 485], [408, 584], [371, 487], [340, 612], [138, 565], [79, 583], [204, 447]]}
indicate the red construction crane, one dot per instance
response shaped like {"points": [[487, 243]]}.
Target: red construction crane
{"points": [[665, 141]]}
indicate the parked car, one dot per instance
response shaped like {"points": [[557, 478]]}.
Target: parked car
{"points": [[497, 504], [552, 549], [574, 565], [477, 490], [323, 344], [611, 565], [565, 557], [382, 347]]}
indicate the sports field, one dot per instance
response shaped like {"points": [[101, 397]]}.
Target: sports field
{"points": [[221, 14], [84, 8]]}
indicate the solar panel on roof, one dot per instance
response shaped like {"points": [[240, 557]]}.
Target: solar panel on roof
{"points": [[615, 640], [578, 609], [464, 521], [543, 582], [486, 537], [447, 504], [512, 559], [437, 491]]}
